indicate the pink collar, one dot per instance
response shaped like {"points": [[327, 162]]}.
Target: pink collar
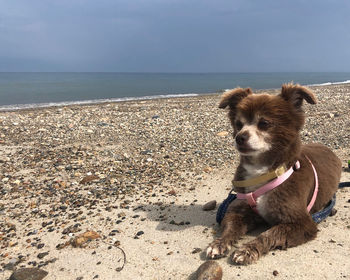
{"points": [[253, 196]]}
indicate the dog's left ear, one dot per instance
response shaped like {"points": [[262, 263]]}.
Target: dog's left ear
{"points": [[233, 97], [296, 94]]}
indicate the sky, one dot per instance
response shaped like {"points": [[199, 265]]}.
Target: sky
{"points": [[174, 35]]}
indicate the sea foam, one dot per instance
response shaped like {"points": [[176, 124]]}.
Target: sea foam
{"points": [[16, 107], [331, 83]]}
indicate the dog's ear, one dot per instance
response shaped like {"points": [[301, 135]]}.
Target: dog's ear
{"points": [[296, 94], [233, 97]]}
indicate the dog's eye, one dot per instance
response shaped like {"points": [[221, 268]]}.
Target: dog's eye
{"points": [[239, 125], [263, 124]]}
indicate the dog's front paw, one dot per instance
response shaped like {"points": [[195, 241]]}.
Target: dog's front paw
{"points": [[245, 255], [219, 248]]}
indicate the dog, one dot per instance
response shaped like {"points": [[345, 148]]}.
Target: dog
{"points": [[267, 137]]}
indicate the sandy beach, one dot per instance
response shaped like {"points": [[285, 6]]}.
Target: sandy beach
{"points": [[137, 175]]}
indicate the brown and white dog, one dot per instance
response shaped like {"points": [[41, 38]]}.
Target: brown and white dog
{"points": [[266, 131]]}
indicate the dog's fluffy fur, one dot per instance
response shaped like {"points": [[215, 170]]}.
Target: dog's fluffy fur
{"points": [[266, 132]]}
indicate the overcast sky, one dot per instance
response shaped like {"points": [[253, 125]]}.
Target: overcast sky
{"points": [[175, 35]]}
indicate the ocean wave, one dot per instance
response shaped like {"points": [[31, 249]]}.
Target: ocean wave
{"points": [[331, 83], [16, 107]]}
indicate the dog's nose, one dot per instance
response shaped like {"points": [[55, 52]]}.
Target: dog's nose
{"points": [[242, 138]]}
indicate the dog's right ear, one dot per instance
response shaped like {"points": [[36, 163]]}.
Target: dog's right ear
{"points": [[233, 97], [295, 94]]}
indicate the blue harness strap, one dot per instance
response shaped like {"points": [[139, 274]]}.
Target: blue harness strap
{"points": [[317, 217], [324, 213], [223, 207]]}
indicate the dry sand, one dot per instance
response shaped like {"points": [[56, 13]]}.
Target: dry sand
{"points": [[138, 173]]}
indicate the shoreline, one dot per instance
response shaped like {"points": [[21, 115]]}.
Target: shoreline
{"points": [[138, 174], [34, 106]]}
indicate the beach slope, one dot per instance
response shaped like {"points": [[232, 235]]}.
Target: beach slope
{"points": [[135, 176]]}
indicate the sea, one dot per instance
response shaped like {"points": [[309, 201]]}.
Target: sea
{"points": [[34, 89]]}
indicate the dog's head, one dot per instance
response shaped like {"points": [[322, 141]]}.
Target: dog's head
{"points": [[266, 123]]}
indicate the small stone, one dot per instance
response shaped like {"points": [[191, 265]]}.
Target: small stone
{"points": [[42, 255], [121, 214], [52, 260], [88, 179], [83, 238], [172, 192], [90, 235], [207, 169], [63, 207], [275, 273], [69, 167], [146, 152], [196, 250], [333, 212], [210, 270], [28, 274], [139, 233], [209, 205], [62, 245], [222, 133], [12, 264]]}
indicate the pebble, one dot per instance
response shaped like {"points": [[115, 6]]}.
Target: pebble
{"points": [[41, 245], [196, 250], [209, 205], [88, 179], [12, 264], [333, 212], [210, 270], [222, 133], [42, 255], [208, 169], [28, 274], [81, 239]]}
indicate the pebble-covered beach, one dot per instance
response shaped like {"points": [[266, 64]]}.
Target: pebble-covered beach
{"points": [[108, 169]]}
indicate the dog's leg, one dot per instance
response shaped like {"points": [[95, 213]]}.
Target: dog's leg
{"points": [[280, 236], [233, 227]]}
